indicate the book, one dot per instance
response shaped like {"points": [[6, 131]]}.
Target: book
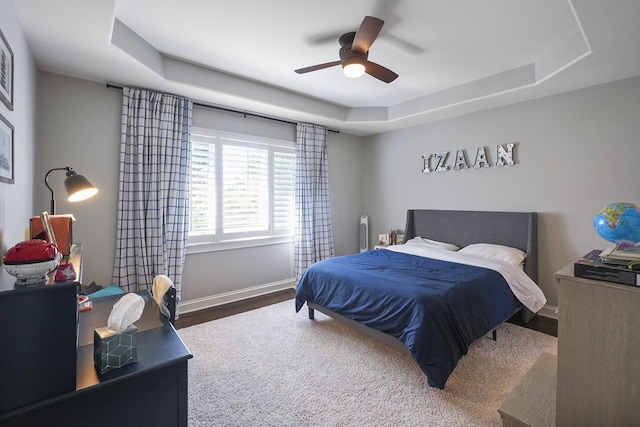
{"points": [[622, 251], [592, 266], [621, 262]]}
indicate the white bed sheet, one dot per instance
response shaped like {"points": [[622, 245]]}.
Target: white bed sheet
{"points": [[525, 289]]}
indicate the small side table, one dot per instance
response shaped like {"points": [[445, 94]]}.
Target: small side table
{"points": [[532, 403]]}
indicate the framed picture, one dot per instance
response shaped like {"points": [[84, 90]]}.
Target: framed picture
{"points": [[6, 73], [6, 151], [383, 240]]}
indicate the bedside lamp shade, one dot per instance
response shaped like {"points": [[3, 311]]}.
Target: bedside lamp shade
{"points": [[77, 186]]}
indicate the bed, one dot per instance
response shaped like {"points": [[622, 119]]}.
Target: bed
{"points": [[428, 301]]}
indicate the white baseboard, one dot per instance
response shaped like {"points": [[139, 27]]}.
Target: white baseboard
{"points": [[549, 311], [225, 298]]}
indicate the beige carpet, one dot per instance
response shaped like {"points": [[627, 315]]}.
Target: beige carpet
{"points": [[273, 367]]}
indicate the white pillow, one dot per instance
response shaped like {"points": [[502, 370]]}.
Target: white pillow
{"points": [[421, 241], [498, 252]]}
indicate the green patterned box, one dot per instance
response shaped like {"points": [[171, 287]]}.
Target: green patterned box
{"points": [[112, 350]]}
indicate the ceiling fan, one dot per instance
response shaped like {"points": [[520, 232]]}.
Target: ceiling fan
{"points": [[354, 52]]}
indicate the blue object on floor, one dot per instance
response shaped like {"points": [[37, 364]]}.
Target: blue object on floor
{"points": [[112, 289]]}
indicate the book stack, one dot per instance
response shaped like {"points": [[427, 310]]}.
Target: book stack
{"points": [[621, 253], [620, 264]]}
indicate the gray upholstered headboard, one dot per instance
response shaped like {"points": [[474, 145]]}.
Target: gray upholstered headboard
{"points": [[462, 228]]}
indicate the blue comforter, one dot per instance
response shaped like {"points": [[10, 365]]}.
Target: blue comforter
{"points": [[436, 308]]}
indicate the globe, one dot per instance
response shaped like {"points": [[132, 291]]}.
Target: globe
{"points": [[619, 223]]}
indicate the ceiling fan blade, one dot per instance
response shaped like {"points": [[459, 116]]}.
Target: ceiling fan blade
{"points": [[366, 34], [325, 38], [380, 72], [317, 67], [402, 44]]}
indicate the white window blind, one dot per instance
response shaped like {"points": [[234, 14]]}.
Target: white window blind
{"points": [[203, 187], [242, 187], [283, 192], [245, 189]]}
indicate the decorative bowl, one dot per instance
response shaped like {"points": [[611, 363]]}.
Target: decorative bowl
{"points": [[31, 260]]}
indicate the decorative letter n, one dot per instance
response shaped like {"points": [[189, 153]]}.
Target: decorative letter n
{"points": [[505, 156]]}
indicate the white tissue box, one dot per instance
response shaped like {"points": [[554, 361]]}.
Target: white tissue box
{"points": [[112, 350]]}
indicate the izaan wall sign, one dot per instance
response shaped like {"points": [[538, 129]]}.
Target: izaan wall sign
{"points": [[437, 162]]}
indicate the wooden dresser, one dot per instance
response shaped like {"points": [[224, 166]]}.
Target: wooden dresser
{"points": [[598, 352], [597, 372]]}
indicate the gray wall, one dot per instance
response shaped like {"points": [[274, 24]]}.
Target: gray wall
{"points": [[16, 200], [576, 153], [79, 126]]}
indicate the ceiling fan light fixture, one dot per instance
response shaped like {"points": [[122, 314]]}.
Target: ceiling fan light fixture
{"points": [[354, 53], [353, 69]]}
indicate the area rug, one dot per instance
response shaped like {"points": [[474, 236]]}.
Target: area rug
{"points": [[274, 367]]}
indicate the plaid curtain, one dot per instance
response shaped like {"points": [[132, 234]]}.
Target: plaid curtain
{"points": [[153, 205], [313, 237]]}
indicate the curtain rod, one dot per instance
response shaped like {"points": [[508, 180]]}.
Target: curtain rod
{"points": [[230, 110]]}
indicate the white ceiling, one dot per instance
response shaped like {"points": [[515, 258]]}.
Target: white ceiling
{"points": [[452, 56]]}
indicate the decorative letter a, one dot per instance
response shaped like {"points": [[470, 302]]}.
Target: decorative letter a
{"points": [[481, 159]]}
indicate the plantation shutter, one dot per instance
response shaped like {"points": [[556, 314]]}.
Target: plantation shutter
{"points": [[203, 187], [284, 165], [245, 196], [242, 187]]}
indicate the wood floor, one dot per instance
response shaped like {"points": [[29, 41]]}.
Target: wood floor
{"points": [[546, 325], [213, 313], [539, 323]]}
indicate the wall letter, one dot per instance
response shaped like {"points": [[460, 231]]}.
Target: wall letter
{"points": [[505, 157], [481, 159], [426, 159], [442, 157], [461, 160]]}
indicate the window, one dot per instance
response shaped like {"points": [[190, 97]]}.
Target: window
{"points": [[242, 187]]}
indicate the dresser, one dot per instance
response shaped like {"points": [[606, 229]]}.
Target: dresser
{"points": [[596, 374], [598, 352], [57, 379], [38, 334]]}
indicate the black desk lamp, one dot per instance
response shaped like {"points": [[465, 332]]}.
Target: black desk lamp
{"points": [[78, 187]]}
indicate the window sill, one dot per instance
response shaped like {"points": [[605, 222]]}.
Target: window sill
{"points": [[196, 248]]}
